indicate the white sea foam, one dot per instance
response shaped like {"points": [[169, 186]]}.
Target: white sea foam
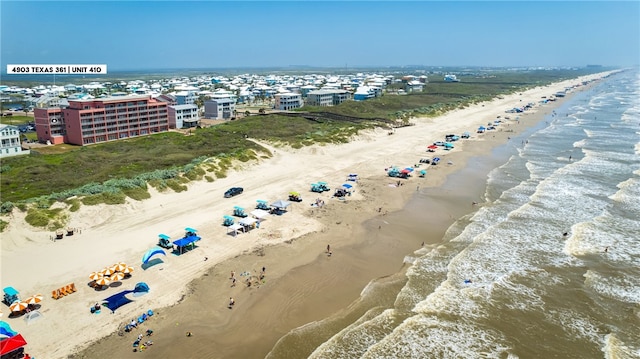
{"points": [[575, 324], [431, 337], [614, 348], [622, 286]]}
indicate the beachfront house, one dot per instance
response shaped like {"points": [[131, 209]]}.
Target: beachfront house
{"points": [[414, 86], [288, 101], [219, 109], [327, 97], [364, 93], [10, 144], [185, 97], [451, 78], [319, 98], [183, 116]]}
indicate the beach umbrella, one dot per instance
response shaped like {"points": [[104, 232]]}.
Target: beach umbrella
{"points": [[103, 281], [107, 271], [119, 267], [34, 299], [18, 306], [95, 275], [116, 276], [127, 270]]}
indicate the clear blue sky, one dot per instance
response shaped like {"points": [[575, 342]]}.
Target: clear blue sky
{"points": [[218, 34]]}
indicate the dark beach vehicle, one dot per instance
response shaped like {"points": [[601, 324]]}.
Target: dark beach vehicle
{"points": [[233, 191]]}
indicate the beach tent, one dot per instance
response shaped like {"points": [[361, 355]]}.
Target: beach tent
{"points": [[6, 331], [281, 204], [12, 344], [235, 227], [117, 300], [247, 221], [259, 214], [186, 241], [152, 252], [141, 287], [481, 129], [32, 316]]}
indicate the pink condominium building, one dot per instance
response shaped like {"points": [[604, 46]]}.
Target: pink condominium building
{"points": [[86, 122]]}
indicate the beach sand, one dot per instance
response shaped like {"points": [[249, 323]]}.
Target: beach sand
{"points": [[302, 283]]}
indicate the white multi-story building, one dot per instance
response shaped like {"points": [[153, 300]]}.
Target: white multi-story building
{"points": [[320, 98], [219, 109], [185, 97], [183, 116], [288, 101], [325, 97], [10, 141]]}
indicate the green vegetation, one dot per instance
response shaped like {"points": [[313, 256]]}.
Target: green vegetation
{"points": [[3, 225], [111, 172], [15, 120]]}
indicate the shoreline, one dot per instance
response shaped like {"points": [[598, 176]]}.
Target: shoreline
{"points": [[372, 192]]}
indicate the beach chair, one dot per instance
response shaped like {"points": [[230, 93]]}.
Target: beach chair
{"points": [[55, 294], [63, 291], [71, 288]]}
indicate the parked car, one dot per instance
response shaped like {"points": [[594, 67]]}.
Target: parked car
{"points": [[233, 191], [438, 143]]}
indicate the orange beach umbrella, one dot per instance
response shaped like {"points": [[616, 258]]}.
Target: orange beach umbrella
{"points": [[103, 281], [95, 276], [116, 276], [107, 271], [119, 267], [34, 299], [127, 270], [18, 306]]}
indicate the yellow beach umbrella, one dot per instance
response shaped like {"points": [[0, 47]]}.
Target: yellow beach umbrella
{"points": [[127, 270], [95, 275]]}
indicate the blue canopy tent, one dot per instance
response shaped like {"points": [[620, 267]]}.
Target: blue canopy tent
{"points": [[186, 241], [152, 252], [141, 288], [117, 300]]}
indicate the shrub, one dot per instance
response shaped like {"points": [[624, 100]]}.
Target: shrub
{"points": [[37, 217], [209, 178], [176, 186], [6, 207], [3, 225], [137, 193]]}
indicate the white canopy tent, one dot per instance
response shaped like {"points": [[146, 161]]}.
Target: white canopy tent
{"points": [[247, 221], [235, 227], [260, 214]]}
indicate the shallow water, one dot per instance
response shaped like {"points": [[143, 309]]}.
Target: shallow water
{"points": [[505, 282]]}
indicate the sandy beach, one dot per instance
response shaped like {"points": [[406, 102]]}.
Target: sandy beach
{"points": [[190, 292]]}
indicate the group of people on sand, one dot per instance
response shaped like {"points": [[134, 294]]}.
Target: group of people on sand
{"points": [[138, 345]]}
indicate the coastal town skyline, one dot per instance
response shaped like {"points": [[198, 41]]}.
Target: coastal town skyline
{"points": [[218, 34]]}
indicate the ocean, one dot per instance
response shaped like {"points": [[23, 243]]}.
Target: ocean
{"points": [[548, 266]]}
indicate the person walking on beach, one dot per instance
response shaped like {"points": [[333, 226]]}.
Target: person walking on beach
{"points": [[231, 302], [328, 248]]}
